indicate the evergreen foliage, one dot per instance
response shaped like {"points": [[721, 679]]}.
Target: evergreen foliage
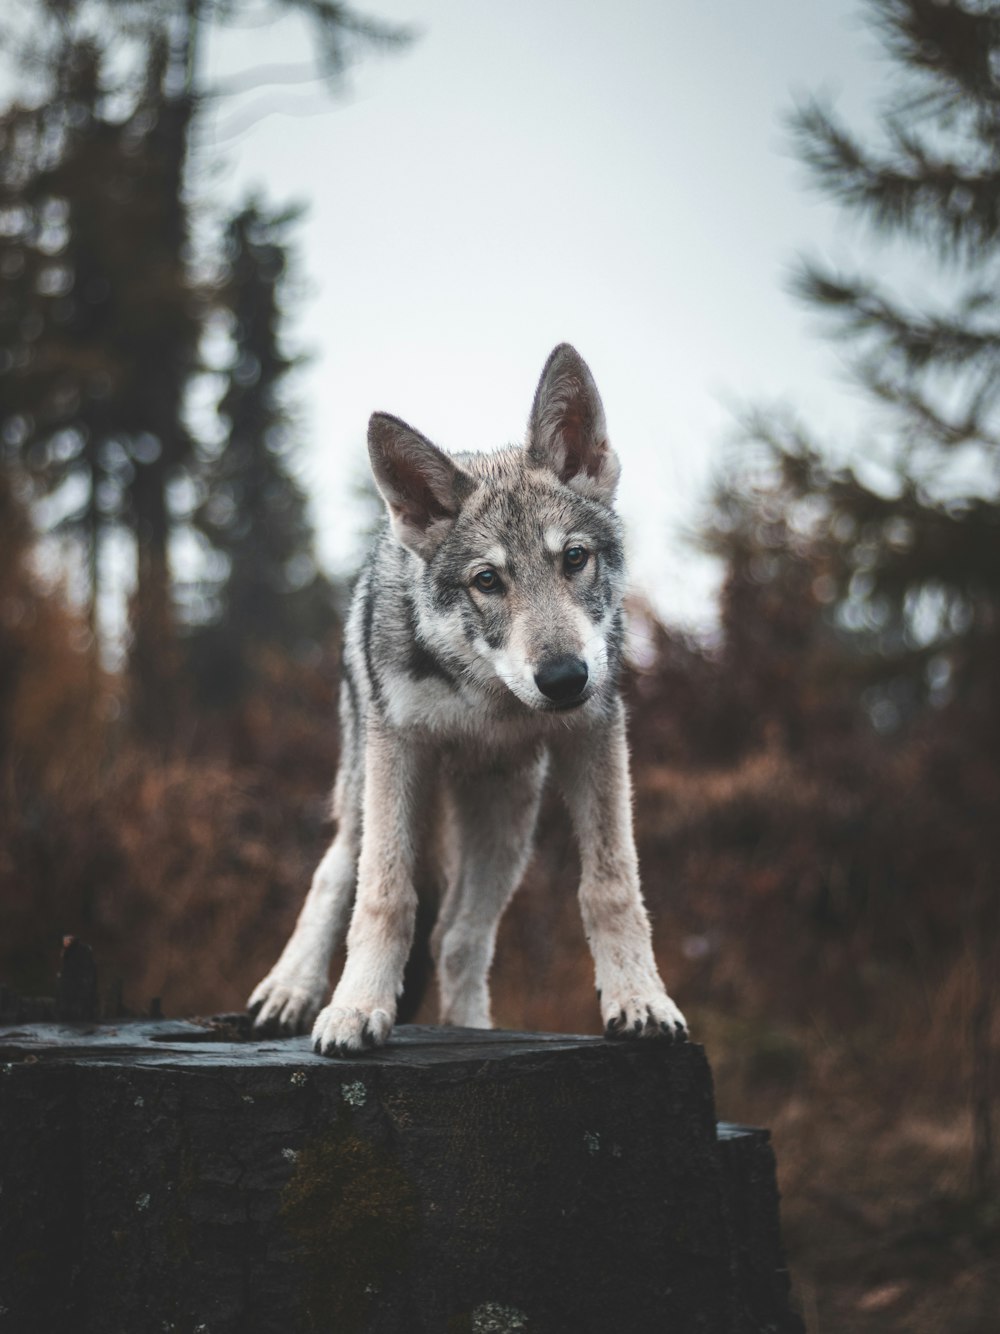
{"points": [[907, 575], [254, 511], [66, 174], [102, 315], [841, 592]]}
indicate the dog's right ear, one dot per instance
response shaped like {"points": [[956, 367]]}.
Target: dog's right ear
{"points": [[422, 487]]}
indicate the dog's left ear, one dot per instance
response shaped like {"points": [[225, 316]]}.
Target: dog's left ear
{"points": [[566, 431]]}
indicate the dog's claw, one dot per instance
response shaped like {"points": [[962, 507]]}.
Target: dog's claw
{"points": [[348, 1030], [646, 1014], [282, 1008], [616, 1024]]}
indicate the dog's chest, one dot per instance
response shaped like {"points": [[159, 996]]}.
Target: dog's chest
{"points": [[435, 705], [445, 713]]}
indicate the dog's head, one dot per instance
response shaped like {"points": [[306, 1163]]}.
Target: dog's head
{"points": [[520, 574]]}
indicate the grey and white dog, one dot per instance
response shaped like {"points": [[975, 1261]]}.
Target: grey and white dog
{"points": [[482, 650]]}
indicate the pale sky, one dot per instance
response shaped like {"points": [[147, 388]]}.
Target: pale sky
{"points": [[527, 172], [615, 175]]}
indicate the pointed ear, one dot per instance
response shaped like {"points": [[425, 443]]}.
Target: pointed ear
{"points": [[422, 487], [566, 431]]}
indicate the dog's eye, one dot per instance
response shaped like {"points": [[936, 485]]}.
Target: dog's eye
{"points": [[575, 558], [487, 581]]}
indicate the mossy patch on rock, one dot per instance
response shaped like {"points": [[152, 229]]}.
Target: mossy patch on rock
{"points": [[351, 1209]]}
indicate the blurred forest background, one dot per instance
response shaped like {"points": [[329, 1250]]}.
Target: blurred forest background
{"points": [[818, 788]]}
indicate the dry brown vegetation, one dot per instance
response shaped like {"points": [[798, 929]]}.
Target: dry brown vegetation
{"points": [[813, 909]]}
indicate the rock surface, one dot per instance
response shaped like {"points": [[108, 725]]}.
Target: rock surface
{"points": [[163, 1176]]}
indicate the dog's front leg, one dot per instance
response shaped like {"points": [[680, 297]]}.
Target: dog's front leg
{"points": [[363, 1008], [593, 770]]}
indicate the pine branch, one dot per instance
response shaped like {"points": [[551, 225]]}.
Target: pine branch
{"points": [[912, 190], [951, 45], [917, 342], [341, 33], [925, 423], [902, 541]]}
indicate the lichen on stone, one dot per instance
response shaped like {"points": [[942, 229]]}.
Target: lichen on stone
{"points": [[492, 1318], [355, 1093]]}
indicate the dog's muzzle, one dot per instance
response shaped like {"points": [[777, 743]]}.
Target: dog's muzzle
{"points": [[562, 680]]}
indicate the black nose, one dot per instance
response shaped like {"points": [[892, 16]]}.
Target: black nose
{"points": [[562, 679]]}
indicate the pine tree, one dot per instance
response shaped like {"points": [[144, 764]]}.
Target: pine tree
{"points": [[903, 579], [254, 511], [917, 565], [99, 336], [62, 166], [105, 332]]}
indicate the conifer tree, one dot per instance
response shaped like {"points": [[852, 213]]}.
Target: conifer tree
{"points": [[62, 167], [99, 336], [254, 511], [913, 568], [900, 583], [104, 335]]}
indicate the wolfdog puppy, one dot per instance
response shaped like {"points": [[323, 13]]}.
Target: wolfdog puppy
{"points": [[482, 651]]}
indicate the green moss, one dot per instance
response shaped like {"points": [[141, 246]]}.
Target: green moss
{"points": [[29, 1262], [351, 1209]]}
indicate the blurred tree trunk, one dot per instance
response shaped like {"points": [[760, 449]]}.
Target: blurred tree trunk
{"points": [[153, 647], [168, 359], [981, 1033]]}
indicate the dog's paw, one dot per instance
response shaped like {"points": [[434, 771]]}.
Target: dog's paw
{"points": [[643, 1015], [341, 1029], [283, 1008]]}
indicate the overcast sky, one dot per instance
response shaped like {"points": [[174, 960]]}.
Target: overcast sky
{"points": [[532, 171]]}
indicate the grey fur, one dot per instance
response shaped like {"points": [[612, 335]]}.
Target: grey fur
{"points": [[472, 590]]}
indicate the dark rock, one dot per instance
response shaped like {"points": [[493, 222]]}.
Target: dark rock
{"points": [[162, 1176]]}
